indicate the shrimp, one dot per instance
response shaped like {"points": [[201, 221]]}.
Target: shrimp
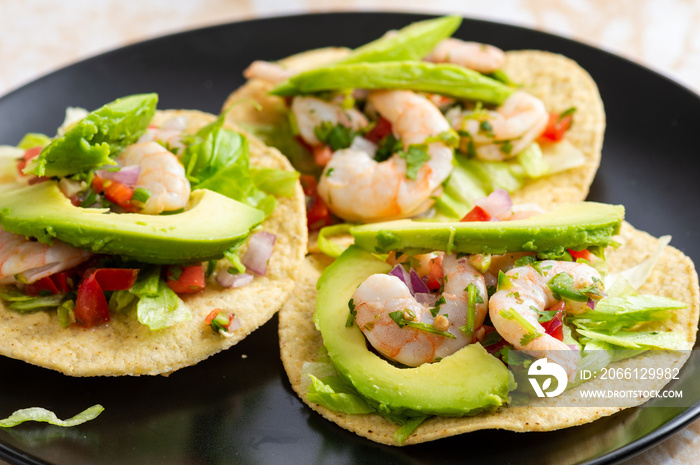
{"points": [[161, 174], [473, 55], [310, 112], [356, 187], [33, 260], [268, 71], [529, 294], [509, 130], [382, 294], [169, 134]]}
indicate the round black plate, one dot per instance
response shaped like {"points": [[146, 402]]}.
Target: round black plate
{"points": [[237, 407]]}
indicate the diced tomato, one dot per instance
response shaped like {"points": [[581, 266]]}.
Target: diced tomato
{"points": [[308, 184], [190, 280], [98, 183], [318, 215], [435, 274], [214, 313], [63, 281], [476, 214], [42, 286], [379, 131], [585, 254], [116, 279], [91, 305], [28, 155], [119, 194], [554, 327], [322, 154], [556, 127]]}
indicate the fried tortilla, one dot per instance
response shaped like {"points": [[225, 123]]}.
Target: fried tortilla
{"points": [[558, 81], [674, 276], [124, 346]]}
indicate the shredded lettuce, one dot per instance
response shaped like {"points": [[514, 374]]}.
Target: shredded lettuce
{"points": [[275, 182], [89, 143], [561, 156], [47, 416], [628, 281], [640, 339], [326, 388], [20, 302], [158, 306], [33, 139]]}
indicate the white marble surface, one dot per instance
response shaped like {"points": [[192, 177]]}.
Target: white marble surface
{"points": [[39, 36]]}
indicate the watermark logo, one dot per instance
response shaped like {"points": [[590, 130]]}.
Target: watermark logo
{"points": [[540, 369]]}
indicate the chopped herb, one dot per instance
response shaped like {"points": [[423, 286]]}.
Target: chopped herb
{"points": [[487, 128], [531, 333], [336, 136], [400, 319], [491, 338], [491, 290], [474, 298], [562, 285], [329, 171], [506, 147], [544, 315], [351, 315], [387, 146], [435, 310], [415, 157], [89, 199], [211, 267]]}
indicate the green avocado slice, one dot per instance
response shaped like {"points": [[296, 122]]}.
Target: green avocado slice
{"points": [[212, 224], [569, 226], [466, 382]]}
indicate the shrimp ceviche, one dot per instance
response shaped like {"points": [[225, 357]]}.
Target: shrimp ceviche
{"points": [[425, 321], [129, 211], [418, 123]]}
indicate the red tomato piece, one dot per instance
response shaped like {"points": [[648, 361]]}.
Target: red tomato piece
{"points": [[476, 214], [28, 155], [554, 327], [308, 184], [119, 194], [190, 280], [42, 286], [116, 279], [98, 184], [556, 127], [91, 305], [435, 274], [585, 254], [318, 215], [379, 131], [63, 281], [322, 154]]}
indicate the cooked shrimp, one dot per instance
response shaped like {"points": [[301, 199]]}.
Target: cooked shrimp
{"points": [[356, 187], [473, 55], [509, 130], [529, 291], [382, 294], [161, 174], [34, 260], [267, 71], [310, 112], [169, 134]]}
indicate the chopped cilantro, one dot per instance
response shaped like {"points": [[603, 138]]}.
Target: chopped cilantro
{"points": [[352, 314], [415, 157], [400, 319], [567, 112], [531, 333], [336, 136], [436, 309], [386, 147], [544, 315]]}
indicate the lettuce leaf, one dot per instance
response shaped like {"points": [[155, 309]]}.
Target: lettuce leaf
{"points": [[627, 282], [218, 160], [90, 142], [33, 139], [47, 416], [640, 339], [158, 306]]}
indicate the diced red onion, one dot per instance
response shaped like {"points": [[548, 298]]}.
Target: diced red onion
{"points": [[417, 284], [227, 279], [554, 325], [591, 304], [426, 299], [234, 325], [401, 273], [497, 203], [128, 175], [259, 251], [573, 346]]}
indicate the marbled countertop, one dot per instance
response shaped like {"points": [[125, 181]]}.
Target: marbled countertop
{"points": [[39, 36]]}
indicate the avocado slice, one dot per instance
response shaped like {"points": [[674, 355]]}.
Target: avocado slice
{"points": [[466, 382], [212, 224], [569, 226]]}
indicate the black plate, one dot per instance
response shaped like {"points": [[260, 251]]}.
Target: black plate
{"points": [[238, 407]]}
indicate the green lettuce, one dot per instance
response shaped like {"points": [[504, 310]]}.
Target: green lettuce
{"points": [[158, 305], [33, 139], [89, 143], [47, 416], [218, 160], [324, 387]]}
